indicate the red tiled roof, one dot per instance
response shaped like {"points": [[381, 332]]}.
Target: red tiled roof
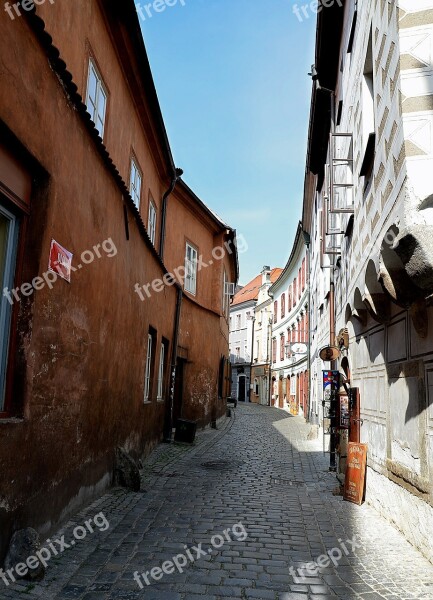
{"points": [[251, 290]]}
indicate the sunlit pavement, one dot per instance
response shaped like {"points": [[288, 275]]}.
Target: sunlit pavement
{"points": [[256, 473]]}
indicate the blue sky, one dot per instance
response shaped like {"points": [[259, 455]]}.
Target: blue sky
{"points": [[232, 80]]}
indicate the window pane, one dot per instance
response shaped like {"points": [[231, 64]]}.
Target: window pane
{"points": [[4, 233], [102, 102], [93, 86], [8, 247]]}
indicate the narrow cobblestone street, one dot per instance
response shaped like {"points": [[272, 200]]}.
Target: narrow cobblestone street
{"points": [[259, 470]]}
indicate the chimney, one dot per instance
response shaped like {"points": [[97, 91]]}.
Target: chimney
{"points": [[266, 275]]}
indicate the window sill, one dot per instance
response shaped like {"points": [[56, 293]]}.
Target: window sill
{"points": [[147, 402], [160, 400], [10, 421], [193, 294]]}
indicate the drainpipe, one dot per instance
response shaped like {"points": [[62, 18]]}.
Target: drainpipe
{"points": [[177, 175], [169, 425]]}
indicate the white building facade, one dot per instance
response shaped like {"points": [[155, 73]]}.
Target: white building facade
{"points": [[290, 332], [368, 208], [241, 336]]}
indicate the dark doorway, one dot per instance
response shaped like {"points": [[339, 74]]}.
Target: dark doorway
{"points": [[178, 390], [241, 389]]}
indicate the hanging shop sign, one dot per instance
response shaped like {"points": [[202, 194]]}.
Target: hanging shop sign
{"points": [[331, 380], [354, 483], [329, 353], [342, 339], [299, 348], [60, 261]]}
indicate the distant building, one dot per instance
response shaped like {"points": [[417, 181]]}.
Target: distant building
{"points": [[289, 345], [260, 371], [242, 321]]}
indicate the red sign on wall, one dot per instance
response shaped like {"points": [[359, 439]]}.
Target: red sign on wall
{"points": [[60, 261]]}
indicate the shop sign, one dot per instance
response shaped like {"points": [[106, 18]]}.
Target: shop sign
{"points": [[344, 412], [354, 484], [60, 261], [329, 353]]}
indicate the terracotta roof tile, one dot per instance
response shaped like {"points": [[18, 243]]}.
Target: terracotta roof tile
{"points": [[251, 290]]}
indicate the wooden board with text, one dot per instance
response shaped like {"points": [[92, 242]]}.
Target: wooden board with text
{"points": [[354, 483]]}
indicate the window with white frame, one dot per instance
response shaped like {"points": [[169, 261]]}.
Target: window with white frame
{"points": [[238, 321], [191, 269], [161, 373], [96, 98], [293, 385], [135, 180], [148, 374], [151, 223]]}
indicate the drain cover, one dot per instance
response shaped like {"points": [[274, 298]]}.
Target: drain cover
{"points": [[290, 482]]}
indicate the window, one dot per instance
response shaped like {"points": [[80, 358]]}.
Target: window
{"points": [[283, 305], [238, 352], [274, 350], [289, 300], [303, 274], [257, 349], [353, 29], [294, 293], [282, 342], [293, 385], [160, 395], [96, 99], [238, 321], [191, 269], [275, 311], [151, 226], [147, 379], [299, 282], [231, 323], [8, 252], [368, 123], [135, 183], [256, 386]]}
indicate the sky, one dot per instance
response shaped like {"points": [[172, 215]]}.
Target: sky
{"points": [[232, 80]]}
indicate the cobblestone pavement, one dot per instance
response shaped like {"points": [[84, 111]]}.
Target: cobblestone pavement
{"points": [[257, 470]]}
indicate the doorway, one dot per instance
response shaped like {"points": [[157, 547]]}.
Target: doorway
{"points": [[242, 388], [178, 390]]}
